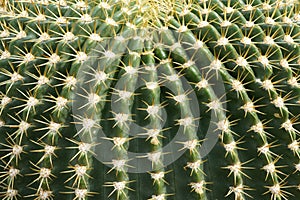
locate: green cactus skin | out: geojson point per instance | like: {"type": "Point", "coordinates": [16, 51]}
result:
{"type": "Point", "coordinates": [49, 151]}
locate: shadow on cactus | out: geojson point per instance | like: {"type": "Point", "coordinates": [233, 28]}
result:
{"type": "Point", "coordinates": [150, 100]}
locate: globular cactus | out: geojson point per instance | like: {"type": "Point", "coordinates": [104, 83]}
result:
{"type": "Point", "coordinates": [150, 99]}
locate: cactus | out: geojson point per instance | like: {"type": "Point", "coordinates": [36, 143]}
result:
{"type": "Point", "coordinates": [155, 100]}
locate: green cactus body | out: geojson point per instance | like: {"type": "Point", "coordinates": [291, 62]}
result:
{"type": "Point", "coordinates": [153, 100]}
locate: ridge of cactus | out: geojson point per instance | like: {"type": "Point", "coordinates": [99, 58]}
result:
{"type": "Point", "coordinates": [149, 99]}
